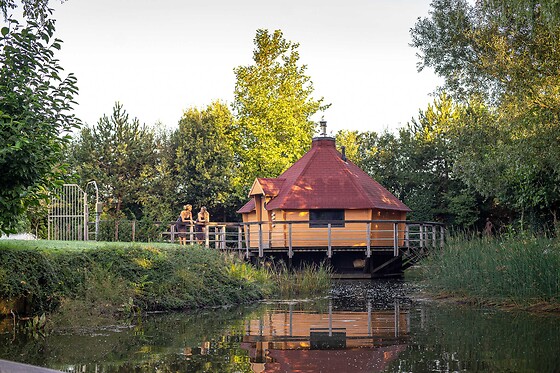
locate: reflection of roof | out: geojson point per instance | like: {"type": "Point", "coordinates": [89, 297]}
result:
{"type": "Point", "coordinates": [331, 361]}
{"type": "Point", "coordinates": [322, 180]}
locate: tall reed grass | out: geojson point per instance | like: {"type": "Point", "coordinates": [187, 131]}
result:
{"type": "Point", "coordinates": [523, 270]}
{"type": "Point", "coordinates": [279, 281]}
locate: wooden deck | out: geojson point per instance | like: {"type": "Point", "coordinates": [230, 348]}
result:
{"type": "Point", "coordinates": [381, 249]}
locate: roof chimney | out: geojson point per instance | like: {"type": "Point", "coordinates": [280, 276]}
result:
{"type": "Point", "coordinates": [343, 148]}
{"type": "Point", "coordinates": [323, 126]}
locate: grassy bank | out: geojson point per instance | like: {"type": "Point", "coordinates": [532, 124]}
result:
{"type": "Point", "coordinates": [520, 271]}
{"type": "Point", "coordinates": [42, 276]}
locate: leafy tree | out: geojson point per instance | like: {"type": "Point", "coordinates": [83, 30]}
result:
{"type": "Point", "coordinates": [273, 105]}
{"type": "Point", "coordinates": [118, 153]}
{"type": "Point", "coordinates": [205, 158]}
{"type": "Point", "coordinates": [35, 116]}
{"type": "Point", "coordinates": [502, 59]}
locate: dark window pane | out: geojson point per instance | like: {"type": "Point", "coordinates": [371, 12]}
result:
{"type": "Point", "coordinates": [321, 218]}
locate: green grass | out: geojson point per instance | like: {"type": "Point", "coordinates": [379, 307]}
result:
{"type": "Point", "coordinates": [99, 278]}
{"type": "Point", "coordinates": [514, 270]}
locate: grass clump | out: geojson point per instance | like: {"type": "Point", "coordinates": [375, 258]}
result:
{"type": "Point", "coordinates": [512, 270]}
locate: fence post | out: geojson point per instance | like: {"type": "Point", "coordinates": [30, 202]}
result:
{"type": "Point", "coordinates": [329, 248]}
{"type": "Point", "coordinates": [133, 230]}
{"type": "Point", "coordinates": [247, 238]}
{"type": "Point", "coordinates": [207, 236]}
{"type": "Point", "coordinates": [421, 236]}
{"type": "Point", "coordinates": [395, 239]}
{"type": "Point", "coordinates": [442, 235]}
{"type": "Point", "coordinates": [172, 233]}
{"type": "Point", "coordinates": [368, 240]}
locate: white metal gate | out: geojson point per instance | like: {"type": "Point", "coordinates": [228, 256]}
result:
{"type": "Point", "coordinates": [68, 214]}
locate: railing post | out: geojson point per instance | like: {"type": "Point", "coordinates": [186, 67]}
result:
{"type": "Point", "coordinates": [329, 249]}
{"type": "Point", "coordinates": [261, 251]}
{"type": "Point", "coordinates": [368, 240]}
{"type": "Point", "coordinates": [421, 236]}
{"type": "Point", "coordinates": [395, 239]}
{"type": "Point", "coordinates": [434, 238]}
{"type": "Point", "coordinates": [239, 238]}
{"type": "Point", "coordinates": [442, 235]}
{"type": "Point", "coordinates": [133, 230]}
{"type": "Point", "coordinates": [172, 233]}
{"type": "Point", "coordinates": [247, 239]}
{"type": "Point", "coordinates": [290, 248]}
{"type": "Point", "coordinates": [406, 236]}
{"type": "Point", "coordinates": [191, 237]}
{"type": "Point", "coordinates": [206, 236]}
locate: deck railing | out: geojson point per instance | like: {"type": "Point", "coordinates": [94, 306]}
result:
{"type": "Point", "coordinates": [290, 236]}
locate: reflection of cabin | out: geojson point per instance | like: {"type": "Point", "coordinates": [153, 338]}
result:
{"type": "Point", "coordinates": [337, 341]}
{"type": "Point", "coordinates": [320, 195]}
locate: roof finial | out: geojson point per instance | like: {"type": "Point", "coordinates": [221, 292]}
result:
{"type": "Point", "coordinates": [323, 126]}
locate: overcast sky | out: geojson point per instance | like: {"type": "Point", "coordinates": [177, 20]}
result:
{"type": "Point", "coordinates": [159, 58]}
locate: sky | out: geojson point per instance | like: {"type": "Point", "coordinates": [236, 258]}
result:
{"type": "Point", "coordinates": [159, 58]}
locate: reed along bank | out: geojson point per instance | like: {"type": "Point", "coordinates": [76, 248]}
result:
{"type": "Point", "coordinates": [521, 271]}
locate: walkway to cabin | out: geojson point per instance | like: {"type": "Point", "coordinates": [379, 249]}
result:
{"type": "Point", "coordinates": [398, 237]}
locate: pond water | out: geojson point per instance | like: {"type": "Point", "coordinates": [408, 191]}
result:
{"type": "Point", "coordinates": [363, 326]}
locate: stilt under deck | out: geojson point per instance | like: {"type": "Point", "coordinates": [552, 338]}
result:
{"type": "Point", "coordinates": [358, 249]}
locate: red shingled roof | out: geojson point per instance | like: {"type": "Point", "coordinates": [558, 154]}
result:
{"type": "Point", "coordinates": [322, 180]}
{"type": "Point", "coordinates": [270, 186]}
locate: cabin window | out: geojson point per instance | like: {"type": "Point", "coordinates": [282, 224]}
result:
{"type": "Point", "coordinates": [321, 218]}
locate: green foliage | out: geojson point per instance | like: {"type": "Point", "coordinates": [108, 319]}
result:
{"type": "Point", "coordinates": [519, 268]}
{"type": "Point", "coordinates": [501, 58]}
{"type": "Point", "coordinates": [273, 107]}
{"type": "Point", "coordinates": [35, 116]}
{"type": "Point", "coordinates": [118, 153]}
{"type": "Point", "coordinates": [205, 160]}
{"type": "Point", "coordinates": [106, 277]}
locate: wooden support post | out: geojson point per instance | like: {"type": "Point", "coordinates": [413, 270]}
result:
{"type": "Point", "coordinates": [223, 229]}
{"type": "Point", "coordinates": [442, 236]}
{"type": "Point", "coordinates": [172, 233]}
{"type": "Point", "coordinates": [206, 236]}
{"type": "Point", "coordinates": [368, 240]}
{"type": "Point", "coordinates": [191, 236]}
{"type": "Point", "coordinates": [329, 248]}
{"type": "Point", "coordinates": [290, 248]}
{"type": "Point", "coordinates": [261, 251]}
{"type": "Point", "coordinates": [395, 239]}
{"type": "Point", "coordinates": [434, 238]}
{"type": "Point", "coordinates": [133, 230]}
{"type": "Point", "coordinates": [421, 236]}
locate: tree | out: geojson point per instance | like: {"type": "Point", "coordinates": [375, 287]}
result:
{"type": "Point", "coordinates": [273, 106]}
{"type": "Point", "coordinates": [118, 153]}
{"type": "Point", "coordinates": [35, 116]}
{"type": "Point", "coordinates": [501, 59]}
{"type": "Point", "coordinates": [205, 158]}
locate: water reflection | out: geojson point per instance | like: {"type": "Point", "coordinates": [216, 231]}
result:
{"type": "Point", "coordinates": [362, 327]}
{"type": "Point", "coordinates": [296, 340]}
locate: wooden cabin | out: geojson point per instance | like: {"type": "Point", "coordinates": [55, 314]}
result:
{"type": "Point", "coordinates": [322, 199]}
